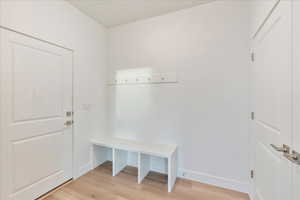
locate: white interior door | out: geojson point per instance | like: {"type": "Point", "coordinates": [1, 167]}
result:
{"type": "Point", "coordinates": [37, 93]}
{"type": "Point", "coordinates": [273, 104]}
{"type": "Point", "coordinates": [296, 100]}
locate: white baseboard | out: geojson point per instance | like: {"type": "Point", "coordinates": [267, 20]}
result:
{"type": "Point", "coordinates": [214, 180]}
{"type": "Point", "coordinates": [251, 196]}
{"type": "Point", "coordinates": [84, 169]}
{"type": "Point", "coordinates": [252, 192]}
{"type": "Point", "coordinates": [194, 176]}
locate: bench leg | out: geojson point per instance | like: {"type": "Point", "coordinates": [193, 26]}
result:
{"type": "Point", "coordinates": [119, 160]}
{"type": "Point", "coordinates": [99, 155]}
{"type": "Point", "coordinates": [172, 171]}
{"type": "Point", "coordinates": [143, 166]}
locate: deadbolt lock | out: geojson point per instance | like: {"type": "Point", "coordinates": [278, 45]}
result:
{"type": "Point", "coordinates": [69, 113]}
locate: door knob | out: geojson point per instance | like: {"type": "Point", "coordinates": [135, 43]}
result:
{"type": "Point", "coordinates": [284, 148]}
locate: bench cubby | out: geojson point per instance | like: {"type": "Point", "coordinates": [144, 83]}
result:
{"type": "Point", "coordinates": [118, 149]}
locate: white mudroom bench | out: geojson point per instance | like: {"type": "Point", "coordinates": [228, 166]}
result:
{"type": "Point", "coordinates": [121, 147]}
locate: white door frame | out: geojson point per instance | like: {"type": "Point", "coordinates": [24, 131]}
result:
{"type": "Point", "coordinates": [3, 138]}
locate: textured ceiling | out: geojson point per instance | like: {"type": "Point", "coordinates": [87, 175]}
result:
{"type": "Point", "coordinates": [115, 12]}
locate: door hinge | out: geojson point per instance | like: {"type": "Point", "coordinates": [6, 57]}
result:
{"type": "Point", "coordinates": [252, 116]}
{"type": "Point", "coordinates": [252, 57]}
{"type": "Point", "coordinates": [252, 173]}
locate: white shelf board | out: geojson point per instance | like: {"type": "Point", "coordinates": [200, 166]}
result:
{"type": "Point", "coordinates": [160, 150]}
{"type": "Point", "coordinates": [154, 78]}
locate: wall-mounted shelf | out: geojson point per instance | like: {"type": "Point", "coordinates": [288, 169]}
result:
{"type": "Point", "coordinates": [154, 78]}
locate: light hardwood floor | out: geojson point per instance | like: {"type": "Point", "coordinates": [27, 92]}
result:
{"type": "Point", "coordinates": [100, 185]}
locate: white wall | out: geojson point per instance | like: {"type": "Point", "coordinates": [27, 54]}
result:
{"type": "Point", "coordinates": [207, 112]}
{"type": "Point", "coordinates": [58, 22]}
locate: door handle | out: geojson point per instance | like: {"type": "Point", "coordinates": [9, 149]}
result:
{"type": "Point", "coordinates": [284, 148]}
{"type": "Point", "coordinates": [294, 157]}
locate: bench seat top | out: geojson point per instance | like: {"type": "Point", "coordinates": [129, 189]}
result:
{"type": "Point", "coordinates": [160, 150]}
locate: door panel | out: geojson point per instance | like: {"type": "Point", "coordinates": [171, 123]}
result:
{"type": "Point", "coordinates": [296, 100]}
{"type": "Point", "coordinates": [265, 177]}
{"type": "Point", "coordinates": [26, 169]}
{"type": "Point", "coordinates": [40, 101]}
{"type": "Point", "coordinates": [273, 104]}
{"type": "Point", "coordinates": [260, 11]}
{"type": "Point", "coordinates": [38, 92]}
{"type": "Point", "coordinates": [273, 70]}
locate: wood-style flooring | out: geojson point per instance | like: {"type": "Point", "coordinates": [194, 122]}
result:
{"type": "Point", "coordinates": [100, 185]}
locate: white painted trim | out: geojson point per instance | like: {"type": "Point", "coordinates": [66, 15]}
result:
{"type": "Point", "coordinates": [230, 184]}
{"type": "Point", "coordinates": [1, 120]}
{"type": "Point", "coordinates": [36, 38]}
{"type": "Point", "coordinates": [251, 196]}
{"type": "Point", "coordinates": [85, 169]}
{"type": "Point", "coordinates": [214, 180]}
{"type": "Point", "coordinates": [1, 117]}
{"type": "Point", "coordinates": [252, 190]}
{"type": "Point", "coordinates": [1, 124]}
{"type": "Point", "coordinates": [266, 18]}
